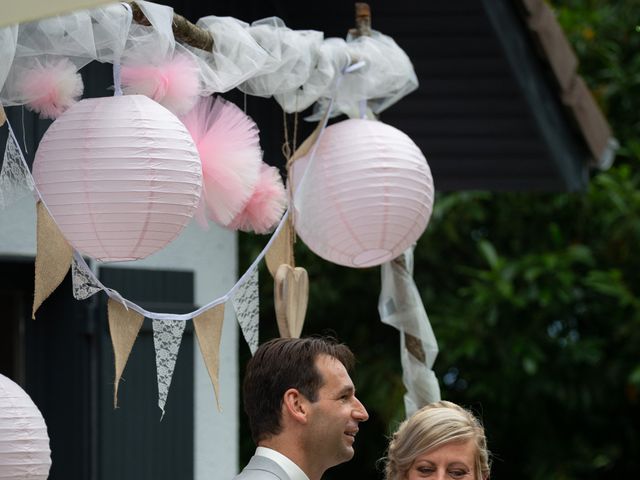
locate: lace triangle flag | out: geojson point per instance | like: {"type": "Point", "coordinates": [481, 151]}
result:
{"type": "Point", "coordinates": [246, 303]}
{"type": "Point", "coordinates": [208, 327]}
{"type": "Point", "coordinates": [124, 326]}
{"type": "Point", "coordinates": [15, 179]}
{"type": "Point", "coordinates": [84, 284]}
{"type": "Point", "coordinates": [53, 258]}
{"type": "Point", "coordinates": [167, 336]}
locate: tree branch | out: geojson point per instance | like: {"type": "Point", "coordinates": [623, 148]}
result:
{"type": "Point", "coordinates": [183, 29]}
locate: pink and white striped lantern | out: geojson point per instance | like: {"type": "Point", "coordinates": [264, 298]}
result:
{"type": "Point", "coordinates": [24, 442]}
{"type": "Point", "coordinates": [367, 195]}
{"type": "Point", "coordinates": [121, 176]}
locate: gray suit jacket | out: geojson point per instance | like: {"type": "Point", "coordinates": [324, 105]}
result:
{"type": "Point", "coordinates": [262, 468]}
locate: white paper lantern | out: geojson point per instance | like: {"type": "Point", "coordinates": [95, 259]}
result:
{"type": "Point", "coordinates": [120, 175]}
{"type": "Point", "coordinates": [368, 194]}
{"type": "Point", "coordinates": [24, 442]}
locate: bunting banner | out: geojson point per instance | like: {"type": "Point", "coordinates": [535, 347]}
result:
{"type": "Point", "coordinates": [401, 307]}
{"type": "Point", "coordinates": [124, 326]}
{"type": "Point", "coordinates": [246, 303]}
{"type": "Point", "coordinates": [167, 337]}
{"type": "Point", "coordinates": [208, 327]}
{"type": "Point", "coordinates": [56, 256]}
{"type": "Point", "coordinates": [53, 258]}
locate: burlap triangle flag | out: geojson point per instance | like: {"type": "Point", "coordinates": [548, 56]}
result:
{"type": "Point", "coordinates": [281, 250]}
{"type": "Point", "coordinates": [124, 326]}
{"type": "Point", "coordinates": [53, 258]}
{"type": "Point", "coordinates": [208, 326]}
{"type": "Point", "coordinates": [305, 146]}
{"type": "Point", "coordinates": [3, 116]}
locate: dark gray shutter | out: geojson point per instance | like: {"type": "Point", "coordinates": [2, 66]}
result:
{"type": "Point", "coordinates": [133, 443]}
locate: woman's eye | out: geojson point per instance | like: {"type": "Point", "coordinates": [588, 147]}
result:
{"type": "Point", "coordinates": [458, 473]}
{"type": "Point", "coordinates": [425, 470]}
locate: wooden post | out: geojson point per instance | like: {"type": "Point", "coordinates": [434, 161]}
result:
{"type": "Point", "coordinates": [363, 21]}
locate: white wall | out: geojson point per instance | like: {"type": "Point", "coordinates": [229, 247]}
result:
{"type": "Point", "coordinates": [211, 255]}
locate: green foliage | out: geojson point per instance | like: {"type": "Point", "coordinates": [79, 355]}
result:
{"type": "Point", "coordinates": [534, 298]}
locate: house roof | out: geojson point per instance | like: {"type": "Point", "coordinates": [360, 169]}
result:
{"type": "Point", "coordinates": [500, 104]}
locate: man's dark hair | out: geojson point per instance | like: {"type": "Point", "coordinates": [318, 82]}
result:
{"type": "Point", "coordinates": [279, 365]}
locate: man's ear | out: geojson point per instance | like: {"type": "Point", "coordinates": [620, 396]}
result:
{"type": "Point", "coordinates": [294, 405]}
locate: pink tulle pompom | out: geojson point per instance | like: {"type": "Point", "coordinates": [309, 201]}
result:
{"type": "Point", "coordinates": [229, 148]}
{"type": "Point", "coordinates": [266, 205]}
{"type": "Point", "coordinates": [174, 84]}
{"type": "Point", "coordinates": [52, 87]}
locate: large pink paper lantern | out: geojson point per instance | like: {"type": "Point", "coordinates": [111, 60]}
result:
{"type": "Point", "coordinates": [367, 194]}
{"type": "Point", "coordinates": [120, 175]}
{"type": "Point", "coordinates": [24, 442]}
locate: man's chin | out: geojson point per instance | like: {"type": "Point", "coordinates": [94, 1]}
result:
{"type": "Point", "coordinates": [348, 453]}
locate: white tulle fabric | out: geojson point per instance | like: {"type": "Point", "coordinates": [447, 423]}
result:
{"type": "Point", "coordinates": [81, 37]}
{"type": "Point", "coordinates": [235, 57]}
{"type": "Point", "coordinates": [386, 77]}
{"type": "Point", "coordinates": [150, 44]}
{"type": "Point", "coordinates": [266, 58]}
{"type": "Point", "coordinates": [8, 40]}
{"type": "Point", "coordinates": [291, 57]}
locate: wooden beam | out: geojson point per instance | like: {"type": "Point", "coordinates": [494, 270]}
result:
{"type": "Point", "coordinates": [14, 12]}
{"type": "Point", "coordinates": [183, 30]}
{"type": "Point", "coordinates": [564, 146]}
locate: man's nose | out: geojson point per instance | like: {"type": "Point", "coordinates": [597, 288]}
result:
{"type": "Point", "coordinates": [359, 412]}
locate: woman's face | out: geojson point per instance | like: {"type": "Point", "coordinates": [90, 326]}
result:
{"type": "Point", "coordinates": [451, 461]}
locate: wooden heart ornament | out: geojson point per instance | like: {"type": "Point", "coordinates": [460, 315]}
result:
{"type": "Point", "coordinates": [291, 292]}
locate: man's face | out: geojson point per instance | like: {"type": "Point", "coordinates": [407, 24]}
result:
{"type": "Point", "coordinates": [335, 415]}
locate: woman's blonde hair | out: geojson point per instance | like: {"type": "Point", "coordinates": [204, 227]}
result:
{"type": "Point", "coordinates": [430, 427]}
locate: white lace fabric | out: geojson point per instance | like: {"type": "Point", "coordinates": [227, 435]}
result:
{"type": "Point", "coordinates": [15, 179]}
{"type": "Point", "coordinates": [167, 337]}
{"type": "Point", "coordinates": [246, 303]}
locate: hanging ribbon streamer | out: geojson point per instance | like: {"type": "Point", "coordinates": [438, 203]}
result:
{"type": "Point", "coordinates": [401, 307]}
